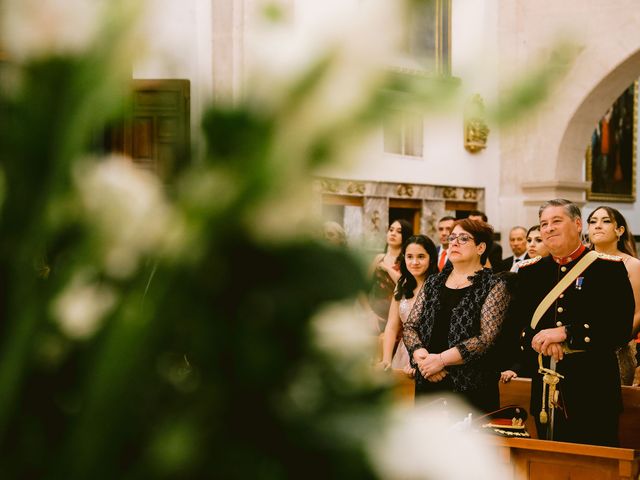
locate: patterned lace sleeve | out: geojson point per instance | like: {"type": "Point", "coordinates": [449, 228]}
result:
{"type": "Point", "coordinates": [493, 313]}
{"type": "Point", "coordinates": [411, 328]}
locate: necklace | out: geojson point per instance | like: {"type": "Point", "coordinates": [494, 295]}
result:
{"type": "Point", "coordinates": [458, 281]}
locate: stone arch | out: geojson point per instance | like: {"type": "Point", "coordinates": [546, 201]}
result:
{"type": "Point", "coordinates": [572, 145]}
{"type": "Point", "coordinates": [554, 142]}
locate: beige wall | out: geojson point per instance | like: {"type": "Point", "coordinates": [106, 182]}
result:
{"type": "Point", "coordinates": [544, 156]}
{"type": "Point", "coordinates": [540, 157]}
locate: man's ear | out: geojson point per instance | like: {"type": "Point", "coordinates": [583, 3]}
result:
{"type": "Point", "coordinates": [578, 222]}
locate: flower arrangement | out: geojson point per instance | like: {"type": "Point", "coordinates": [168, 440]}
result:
{"type": "Point", "coordinates": [196, 330]}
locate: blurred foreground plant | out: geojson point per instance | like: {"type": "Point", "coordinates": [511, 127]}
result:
{"type": "Point", "coordinates": [152, 332]}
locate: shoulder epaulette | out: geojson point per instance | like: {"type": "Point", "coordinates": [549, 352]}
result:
{"type": "Point", "coordinates": [611, 258]}
{"type": "Point", "coordinates": [529, 261]}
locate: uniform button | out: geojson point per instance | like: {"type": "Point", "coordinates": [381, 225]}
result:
{"type": "Point", "coordinates": [563, 269]}
{"type": "Point", "coordinates": [560, 309]}
{"type": "Point", "coordinates": [586, 325]}
{"type": "Point", "coordinates": [522, 348]}
{"type": "Point", "coordinates": [587, 339]}
{"type": "Point", "coordinates": [524, 334]}
{"type": "Point", "coordinates": [562, 295]}
{"type": "Point", "coordinates": [558, 324]}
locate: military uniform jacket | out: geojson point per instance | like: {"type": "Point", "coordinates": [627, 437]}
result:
{"type": "Point", "coordinates": [597, 311]}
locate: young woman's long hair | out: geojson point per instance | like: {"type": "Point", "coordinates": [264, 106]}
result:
{"type": "Point", "coordinates": [626, 242]}
{"type": "Point", "coordinates": [407, 281]}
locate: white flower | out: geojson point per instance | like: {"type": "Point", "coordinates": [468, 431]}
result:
{"type": "Point", "coordinates": [81, 306]}
{"type": "Point", "coordinates": [356, 38]}
{"type": "Point", "coordinates": [128, 207]}
{"type": "Point", "coordinates": [338, 330]}
{"type": "Point", "coordinates": [423, 442]}
{"type": "Point", "coordinates": [36, 28]}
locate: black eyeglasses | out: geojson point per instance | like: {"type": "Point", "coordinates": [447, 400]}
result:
{"type": "Point", "coordinates": [462, 238]}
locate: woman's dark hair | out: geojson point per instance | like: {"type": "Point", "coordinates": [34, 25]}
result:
{"type": "Point", "coordinates": [482, 233]}
{"type": "Point", "coordinates": [625, 243]}
{"type": "Point", "coordinates": [533, 229]}
{"type": "Point", "coordinates": [406, 229]}
{"type": "Point", "coordinates": [407, 281]}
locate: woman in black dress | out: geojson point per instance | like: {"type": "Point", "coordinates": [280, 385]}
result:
{"type": "Point", "coordinates": [456, 319]}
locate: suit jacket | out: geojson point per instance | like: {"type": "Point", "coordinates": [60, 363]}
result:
{"type": "Point", "coordinates": [495, 255]}
{"type": "Point", "coordinates": [507, 263]}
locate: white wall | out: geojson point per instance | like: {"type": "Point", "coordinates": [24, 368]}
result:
{"type": "Point", "coordinates": [445, 161]}
{"type": "Point", "coordinates": [179, 44]}
{"type": "Point", "coordinates": [203, 41]}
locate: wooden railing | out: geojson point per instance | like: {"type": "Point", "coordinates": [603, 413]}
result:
{"type": "Point", "coordinates": [518, 392]}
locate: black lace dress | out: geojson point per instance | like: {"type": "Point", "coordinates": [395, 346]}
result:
{"type": "Point", "coordinates": [468, 319]}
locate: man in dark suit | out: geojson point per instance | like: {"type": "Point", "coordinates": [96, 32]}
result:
{"type": "Point", "coordinates": [518, 244]}
{"type": "Point", "coordinates": [495, 251]}
{"type": "Point", "coordinates": [593, 315]}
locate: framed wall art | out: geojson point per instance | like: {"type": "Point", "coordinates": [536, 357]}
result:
{"type": "Point", "coordinates": [611, 154]}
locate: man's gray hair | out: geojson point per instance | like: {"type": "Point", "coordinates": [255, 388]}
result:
{"type": "Point", "coordinates": [570, 208]}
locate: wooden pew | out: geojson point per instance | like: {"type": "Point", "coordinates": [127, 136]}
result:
{"type": "Point", "coordinates": [535, 459]}
{"type": "Point", "coordinates": [518, 392]}
{"type": "Point", "coordinates": [544, 460]}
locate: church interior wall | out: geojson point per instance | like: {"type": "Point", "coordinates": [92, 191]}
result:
{"type": "Point", "coordinates": [544, 156]}
{"type": "Point", "coordinates": [520, 166]}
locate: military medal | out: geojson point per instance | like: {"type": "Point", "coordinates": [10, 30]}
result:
{"type": "Point", "coordinates": [579, 281]}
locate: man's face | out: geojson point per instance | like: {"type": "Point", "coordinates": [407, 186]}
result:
{"type": "Point", "coordinates": [518, 241]}
{"type": "Point", "coordinates": [559, 232]}
{"type": "Point", "coordinates": [444, 230]}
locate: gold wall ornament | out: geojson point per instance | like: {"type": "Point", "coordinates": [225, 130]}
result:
{"type": "Point", "coordinates": [356, 187]}
{"type": "Point", "coordinates": [404, 190]}
{"type": "Point", "coordinates": [470, 194]}
{"type": "Point", "coordinates": [450, 193]}
{"type": "Point", "coordinates": [476, 130]}
{"type": "Point", "coordinates": [329, 186]}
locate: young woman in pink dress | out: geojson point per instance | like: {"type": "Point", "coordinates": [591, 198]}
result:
{"type": "Point", "coordinates": [418, 259]}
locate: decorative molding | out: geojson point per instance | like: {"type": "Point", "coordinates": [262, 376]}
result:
{"type": "Point", "coordinates": [375, 221]}
{"type": "Point", "coordinates": [470, 194]}
{"type": "Point", "coordinates": [450, 193]}
{"type": "Point", "coordinates": [329, 186]}
{"type": "Point", "coordinates": [356, 187]}
{"type": "Point", "coordinates": [370, 189]}
{"type": "Point", "coordinates": [404, 190]}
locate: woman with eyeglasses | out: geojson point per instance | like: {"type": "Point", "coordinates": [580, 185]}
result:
{"type": "Point", "coordinates": [456, 319]}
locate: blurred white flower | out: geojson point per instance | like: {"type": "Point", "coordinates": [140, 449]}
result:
{"type": "Point", "coordinates": [82, 305]}
{"type": "Point", "coordinates": [129, 209]}
{"type": "Point", "coordinates": [424, 442]}
{"type": "Point", "coordinates": [37, 28]}
{"type": "Point", "coordinates": [287, 213]}
{"type": "Point", "coordinates": [315, 66]}
{"type": "Point", "coordinates": [356, 39]}
{"type": "Point", "coordinates": [339, 330]}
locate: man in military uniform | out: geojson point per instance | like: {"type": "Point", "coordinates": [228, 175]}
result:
{"type": "Point", "coordinates": [593, 314]}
